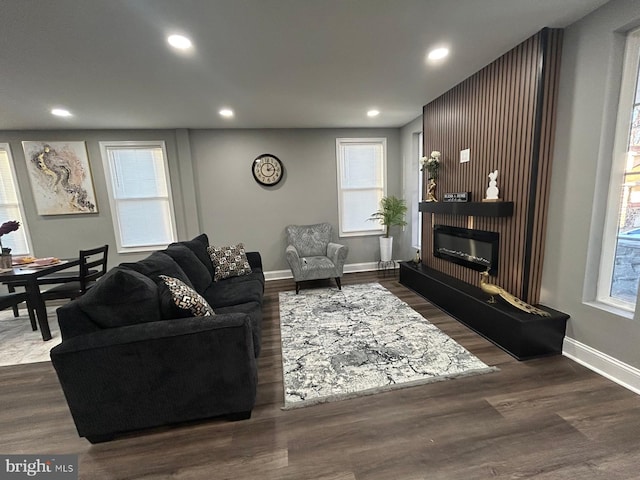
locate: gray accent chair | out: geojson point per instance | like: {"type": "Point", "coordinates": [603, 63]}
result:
{"type": "Point", "coordinates": [312, 255]}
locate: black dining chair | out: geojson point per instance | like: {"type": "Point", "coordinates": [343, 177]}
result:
{"type": "Point", "coordinates": [93, 265]}
{"type": "Point", "coordinates": [70, 283]}
{"type": "Point", "coordinates": [13, 300]}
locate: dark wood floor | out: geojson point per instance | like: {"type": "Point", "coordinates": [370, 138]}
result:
{"type": "Point", "coordinates": [546, 419]}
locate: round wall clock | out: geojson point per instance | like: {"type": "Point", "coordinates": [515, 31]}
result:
{"type": "Point", "coordinates": [267, 169]}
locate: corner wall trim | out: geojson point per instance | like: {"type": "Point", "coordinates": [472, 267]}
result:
{"type": "Point", "coordinates": [603, 364]}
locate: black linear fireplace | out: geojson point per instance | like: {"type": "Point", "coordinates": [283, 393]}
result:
{"type": "Point", "coordinates": [476, 249]}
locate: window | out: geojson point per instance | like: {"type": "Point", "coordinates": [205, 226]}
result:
{"type": "Point", "coordinates": [620, 262]}
{"type": "Point", "coordinates": [139, 194]}
{"type": "Point", "coordinates": [361, 183]}
{"type": "Point", "coordinates": [11, 205]}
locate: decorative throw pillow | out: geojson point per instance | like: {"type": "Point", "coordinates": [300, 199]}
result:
{"type": "Point", "coordinates": [186, 298]}
{"type": "Point", "coordinates": [229, 261]}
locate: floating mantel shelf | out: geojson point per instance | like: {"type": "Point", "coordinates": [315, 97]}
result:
{"type": "Point", "coordinates": [470, 209]}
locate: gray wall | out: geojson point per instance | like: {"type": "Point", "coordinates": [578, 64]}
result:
{"type": "Point", "coordinates": [214, 191]}
{"type": "Point", "coordinates": [234, 208]}
{"type": "Point", "coordinates": [63, 235]}
{"type": "Point", "coordinates": [588, 99]}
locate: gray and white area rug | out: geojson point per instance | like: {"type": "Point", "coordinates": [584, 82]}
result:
{"type": "Point", "coordinates": [19, 344]}
{"type": "Point", "coordinates": [361, 340]}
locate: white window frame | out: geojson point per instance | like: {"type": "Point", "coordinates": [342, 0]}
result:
{"type": "Point", "coordinates": [376, 228]}
{"type": "Point", "coordinates": [23, 220]}
{"type": "Point", "coordinates": [618, 166]}
{"type": "Point", "coordinates": [113, 202]}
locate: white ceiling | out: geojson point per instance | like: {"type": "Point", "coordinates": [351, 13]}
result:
{"type": "Point", "coordinates": [277, 63]}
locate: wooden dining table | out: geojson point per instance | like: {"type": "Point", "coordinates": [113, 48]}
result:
{"type": "Point", "coordinates": [27, 275]}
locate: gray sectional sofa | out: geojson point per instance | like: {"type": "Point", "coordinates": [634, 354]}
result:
{"type": "Point", "coordinates": [132, 357]}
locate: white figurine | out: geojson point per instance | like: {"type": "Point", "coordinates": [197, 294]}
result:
{"type": "Point", "coordinates": [492, 191]}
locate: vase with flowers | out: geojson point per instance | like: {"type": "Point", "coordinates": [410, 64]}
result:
{"type": "Point", "coordinates": [431, 164]}
{"type": "Point", "coordinates": [5, 252]}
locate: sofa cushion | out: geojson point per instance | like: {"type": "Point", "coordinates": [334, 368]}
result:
{"type": "Point", "coordinates": [254, 275]}
{"type": "Point", "coordinates": [199, 247]}
{"type": "Point", "coordinates": [229, 261]}
{"type": "Point", "coordinates": [193, 267]}
{"type": "Point", "coordinates": [156, 264]}
{"type": "Point", "coordinates": [186, 298]}
{"type": "Point", "coordinates": [121, 297]}
{"type": "Point", "coordinates": [73, 321]}
{"type": "Point", "coordinates": [234, 291]}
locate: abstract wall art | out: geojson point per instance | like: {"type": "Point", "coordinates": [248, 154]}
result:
{"type": "Point", "coordinates": [60, 177]}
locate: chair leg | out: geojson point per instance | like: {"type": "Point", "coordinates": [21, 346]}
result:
{"type": "Point", "coordinates": [32, 318]}
{"type": "Point", "coordinates": [297, 287]}
{"type": "Point", "coordinates": [12, 289]}
{"type": "Point", "coordinates": [339, 283]}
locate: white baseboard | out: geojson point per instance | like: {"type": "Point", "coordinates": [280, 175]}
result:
{"type": "Point", "coordinates": [603, 364]}
{"type": "Point", "coordinates": [349, 268]}
{"type": "Point", "coordinates": [277, 275]}
{"type": "Point", "coordinates": [361, 267]}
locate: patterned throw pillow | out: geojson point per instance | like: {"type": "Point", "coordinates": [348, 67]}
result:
{"type": "Point", "coordinates": [186, 298]}
{"type": "Point", "coordinates": [229, 261]}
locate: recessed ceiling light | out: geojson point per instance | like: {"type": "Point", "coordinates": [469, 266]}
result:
{"type": "Point", "coordinates": [373, 113]}
{"type": "Point", "coordinates": [226, 112]}
{"type": "Point", "coordinates": [179, 41]}
{"type": "Point", "coordinates": [438, 53]}
{"type": "Point", "coordinates": [61, 112]}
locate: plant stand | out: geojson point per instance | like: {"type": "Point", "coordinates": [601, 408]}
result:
{"type": "Point", "coordinates": [387, 266]}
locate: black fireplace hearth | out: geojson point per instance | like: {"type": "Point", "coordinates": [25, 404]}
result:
{"type": "Point", "coordinates": [518, 333]}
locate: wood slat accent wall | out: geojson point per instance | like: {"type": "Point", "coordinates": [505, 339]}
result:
{"type": "Point", "coordinates": [505, 115]}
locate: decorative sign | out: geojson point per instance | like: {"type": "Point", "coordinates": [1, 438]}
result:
{"type": "Point", "coordinates": [457, 197]}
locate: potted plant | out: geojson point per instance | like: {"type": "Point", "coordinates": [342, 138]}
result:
{"type": "Point", "coordinates": [391, 214]}
{"type": "Point", "coordinates": [5, 252]}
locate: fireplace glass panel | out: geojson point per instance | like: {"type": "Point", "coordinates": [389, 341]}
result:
{"type": "Point", "coordinates": [475, 249]}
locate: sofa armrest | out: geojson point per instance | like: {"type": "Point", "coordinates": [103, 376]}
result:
{"type": "Point", "coordinates": [157, 373]}
{"type": "Point", "coordinates": [254, 259]}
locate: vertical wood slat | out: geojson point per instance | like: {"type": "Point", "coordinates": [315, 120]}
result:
{"type": "Point", "coordinates": [493, 113]}
{"type": "Point", "coordinates": [551, 80]}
